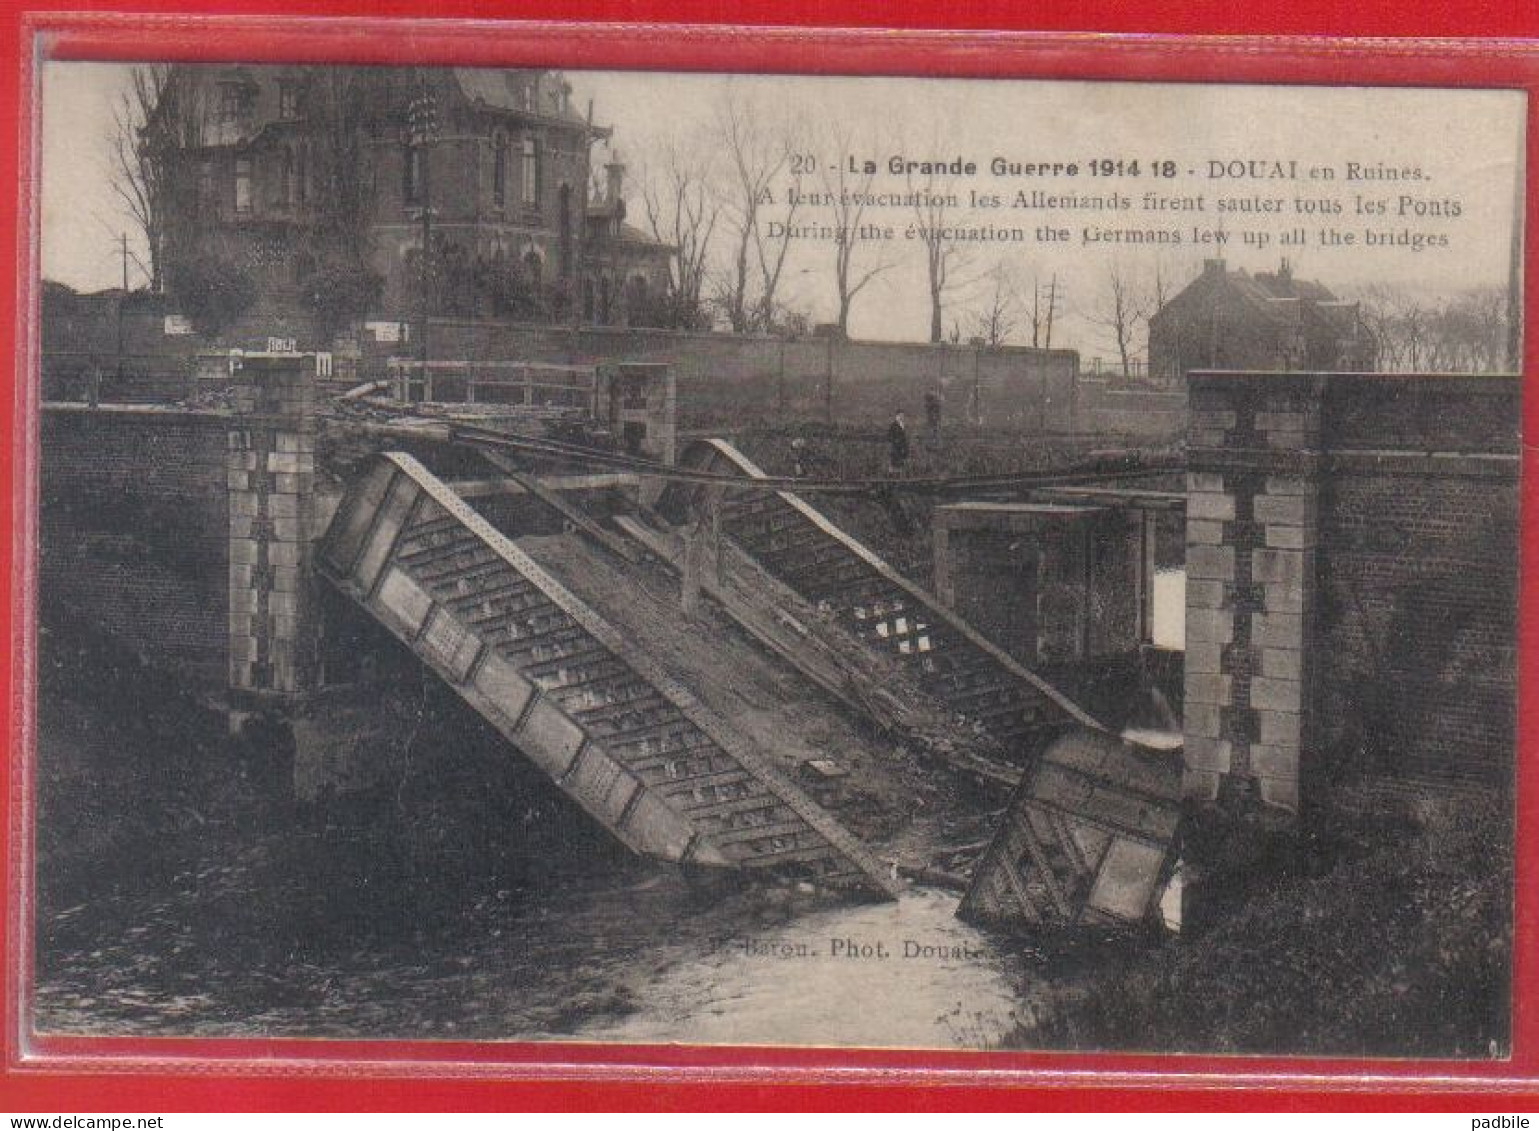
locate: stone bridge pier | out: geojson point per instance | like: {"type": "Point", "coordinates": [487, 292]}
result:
{"type": "Point", "coordinates": [1351, 599]}
{"type": "Point", "coordinates": [183, 533]}
{"type": "Point", "coordinates": [274, 617]}
{"type": "Point", "coordinates": [1251, 534]}
{"type": "Point", "coordinates": [272, 524]}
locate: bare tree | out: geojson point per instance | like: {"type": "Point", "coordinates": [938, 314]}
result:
{"type": "Point", "coordinates": [159, 113]}
{"type": "Point", "coordinates": [934, 215]}
{"type": "Point", "coordinates": [1468, 332]}
{"type": "Point", "coordinates": [1395, 322]}
{"type": "Point", "coordinates": [337, 163]}
{"type": "Point", "coordinates": [1162, 284]}
{"type": "Point", "coordinates": [757, 147]}
{"type": "Point", "coordinates": [682, 213]}
{"type": "Point", "coordinates": [1046, 302]}
{"type": "Point", "coordinates": [996, 319]}
{"type": "Point", "coordinates": [1119, 308]}
{"type": "Point", "coordinates": [847, 194]}
{"type": "Point", "coordinates": [771, 249]}
{"type": "Point", "coordinates": [1473, 332]}
{"type": "Point", "coordinates": [340, 282]}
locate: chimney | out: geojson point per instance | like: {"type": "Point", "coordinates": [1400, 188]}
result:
{"type": "Point", "coordinates": [1214, 267]}
{"type": "Point", "coordinates": [616, 184]}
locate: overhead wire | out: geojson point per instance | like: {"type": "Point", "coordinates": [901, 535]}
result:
{"type": "Point", "coordinates": [1109, 468]}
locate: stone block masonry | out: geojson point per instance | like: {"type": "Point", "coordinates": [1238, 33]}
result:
{"type": "Point", "coordinates": [1352, 592]}
{"type": "Point", "coordinates": [271, 478]}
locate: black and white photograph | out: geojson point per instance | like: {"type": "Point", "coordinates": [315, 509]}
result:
{"type": "Point", "coordinates": [648, 558]}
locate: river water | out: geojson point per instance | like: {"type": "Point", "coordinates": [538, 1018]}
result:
{"type": "Point", "coordinates": [904, 974]}
{"type": "Point", "coordinates": [1169, 627]}
{"type": "Point", "coordinates": [632, 958]}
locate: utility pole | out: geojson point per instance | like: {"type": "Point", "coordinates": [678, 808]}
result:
{"type": "Point", "coordinates": [422, 123]}
{"type": "Point", "coordinates": [427, 276]}
{"type": "Point", "coordinates": [977, 390]}
{"type": "Point", "coordinates": [828, 380]}
{"type": "Point", "coordinates": [1052, 307]}
{"type": "Point", "coordinates": [122, 301]}
{"type": "Point", "coordinates": [1036, 312]}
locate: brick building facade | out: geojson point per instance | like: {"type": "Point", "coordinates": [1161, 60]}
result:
{"type": "Point", "coordinates": [1227, 319]}
{"type": "Point", "coordinates": [267, 161]}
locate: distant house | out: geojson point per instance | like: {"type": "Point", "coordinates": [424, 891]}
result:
{"type": "Point", "coordinates": [265, 161]}
{"type": "Point", "coordinates": [1233, 320]}
{"type": "Point", "coordinates": [627, 271]}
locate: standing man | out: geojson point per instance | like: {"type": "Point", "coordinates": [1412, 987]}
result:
{"type": "Point", "coordinates": [897, 460]}
{"type": "Point", "coordinates": [897, 444]}
{"type": "Point", "coordinates": [932, 420]}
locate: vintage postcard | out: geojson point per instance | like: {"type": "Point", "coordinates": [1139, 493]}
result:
{"type": "Point", "coordinates": [739, 559]}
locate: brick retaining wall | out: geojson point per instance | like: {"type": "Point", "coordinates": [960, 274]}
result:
{"type": "Point", "coordinates": [134, 518]}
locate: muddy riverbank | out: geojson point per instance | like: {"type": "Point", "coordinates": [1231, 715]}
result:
{"type": "Point", "coordinates": [179, 895]}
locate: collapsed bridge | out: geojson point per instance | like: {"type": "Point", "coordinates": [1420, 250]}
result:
{"type": "Point", "coordinates": [1338, 527]}
{"type": "Point", "coordinates": [632, 747]}
{"type": "Point", "coordinates": [518, 592]}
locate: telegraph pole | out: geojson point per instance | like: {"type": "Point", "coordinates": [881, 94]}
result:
{"type": "Point", "coordinates": [1036, 312]}
{"type": "Point", "coordinates": [1052, 308]}
{"type": "Point", "coordinates": [122, 301]}
{"type": "Point", "coordinates": [422, 122]}
{"type": "Point", "coordinates": [828, 379]}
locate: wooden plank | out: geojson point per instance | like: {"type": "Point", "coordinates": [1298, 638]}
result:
{"type": "Point", "coordinates": [1064, 816]}
{"type": "Point", "coordinates": [580, 521]}
{"type": "Point", "coordinates": [797, 856]}
{"type": "Point", "coordinates": [828, 655]}
{"type": "Point", "coordinates": [1012, 853]}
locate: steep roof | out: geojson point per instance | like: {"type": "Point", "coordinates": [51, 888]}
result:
{"type": "Point", "coordinates": [1279, 297]}
{"type": "Point", "coordinates": [537, 96]}
{"type": "Point", "coordinates": [1283, 284]}
{"type": "Point", "coordinates": [630, 234]}
{"type": "Point", "coordinates": [544, 95]}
